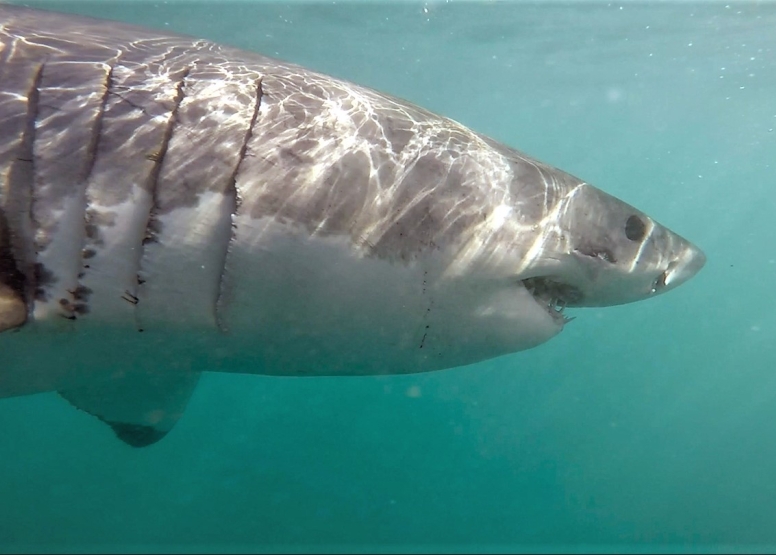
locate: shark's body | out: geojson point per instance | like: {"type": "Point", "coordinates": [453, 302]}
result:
{"type": "Point", "coordinates": [170, 206]}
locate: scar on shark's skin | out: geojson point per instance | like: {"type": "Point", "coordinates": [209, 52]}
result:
{"type": "Point", "coordinates": [130, 298]}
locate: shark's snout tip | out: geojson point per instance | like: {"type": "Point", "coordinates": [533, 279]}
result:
{"type": "Point", "coordinates": [698, 260]}
{"type": "Point", "coordinates": [686, 266]}
{"type": "Point", "coordinates": [692, 261]}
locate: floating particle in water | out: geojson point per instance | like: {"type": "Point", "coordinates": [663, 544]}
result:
{"type": "Point", "coordinates": [614, 94]}
{"type": "Point", "coordinates": [414, 391]}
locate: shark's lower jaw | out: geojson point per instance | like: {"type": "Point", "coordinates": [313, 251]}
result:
{"type": "Point", "coordinates": [553, 295]}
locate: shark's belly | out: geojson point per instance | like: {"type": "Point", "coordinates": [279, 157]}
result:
{"type": "Point", "coordinates": [297, 306]}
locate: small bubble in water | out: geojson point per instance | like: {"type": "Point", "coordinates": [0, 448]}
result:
{"type": "Point", "coordinates": [414, 392]}
{"type": "Point", "coordinates": [614, 94]}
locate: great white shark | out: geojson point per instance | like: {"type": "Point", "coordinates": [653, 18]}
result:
{"type": "Point", "coordinates": [170, 206]}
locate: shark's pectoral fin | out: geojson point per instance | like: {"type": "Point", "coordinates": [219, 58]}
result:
{"type": "Point", "coordinates": [140, 408]}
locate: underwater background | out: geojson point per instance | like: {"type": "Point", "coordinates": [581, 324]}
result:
{"type": "Point", "coordinates": [644, 427]}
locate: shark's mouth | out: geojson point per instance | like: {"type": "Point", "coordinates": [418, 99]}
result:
{"type": "Point", "coordinates": [554, 296]}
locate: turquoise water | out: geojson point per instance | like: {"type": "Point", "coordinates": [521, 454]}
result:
{"type": "Point", "coordinates": [642, 427]}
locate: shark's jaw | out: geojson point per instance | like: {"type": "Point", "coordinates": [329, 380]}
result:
{"type": "Point", "coordinates": [553, 296]}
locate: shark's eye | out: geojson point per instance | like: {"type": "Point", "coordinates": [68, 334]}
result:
{"type": "Point", "coordinates": [635, 228]}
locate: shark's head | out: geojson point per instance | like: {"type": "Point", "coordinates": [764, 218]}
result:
{"type": "Point", "coordinates": [597, 250]}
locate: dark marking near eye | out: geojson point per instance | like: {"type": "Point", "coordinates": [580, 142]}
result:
{"type": "Point", "coordinates": [635, 228]}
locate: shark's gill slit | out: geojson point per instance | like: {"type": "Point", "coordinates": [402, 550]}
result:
{"type": "Point", "coordinates": [80, 295]}
{"type": "Point", "coordinates": [158, 158]}
{"type": "Point", "coordinates": [17, 236]}
{"type": "Point", "coordinates": [222, 295]}
{"type": "Point", "coordinates": [22, 193]}
{"type": "Point", "coordinates": [97, 130]}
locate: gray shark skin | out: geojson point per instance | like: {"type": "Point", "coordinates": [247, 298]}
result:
{"type": "Point", "coordinates": [170, 206]}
